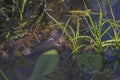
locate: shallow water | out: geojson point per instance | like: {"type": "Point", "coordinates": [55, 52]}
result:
{"type": "Point", "coordinates": [18, 72]}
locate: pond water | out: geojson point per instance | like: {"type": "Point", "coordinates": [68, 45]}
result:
{"type": "Point", "coordinates": [25, 71]}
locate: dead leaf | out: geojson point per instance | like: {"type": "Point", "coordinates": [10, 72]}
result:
{"type": "Point", "coordinates": [4, 54]}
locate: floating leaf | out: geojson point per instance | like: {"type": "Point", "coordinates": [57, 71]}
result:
{"type": "Point", "coordinates": [45, 65]}
{"type": "Point", "coordinates": [90, 62]}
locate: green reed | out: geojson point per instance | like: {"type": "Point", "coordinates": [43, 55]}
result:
{"type": "Point", "coordinates": [21, 7]}
{"type": "Point", "coordinates": [97, 31]}
{"type": "Point", "coordinates": [115, 24]}
{"type": "Point", "coordinates": [3, 75]}
{"type": "Point", "coordinates": [95, 28]}
{"type": "Point", "coordinates": [70, 32]}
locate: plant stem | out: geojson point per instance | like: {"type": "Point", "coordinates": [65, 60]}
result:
{"type": "Point", "coordinates": [3, 75]}
{"type": "Point", "coordinates": [114, 27]}
{"type": "Point", "coordinates": [21, 16]}
{"type": "Point", "coordinates": [112, 16]}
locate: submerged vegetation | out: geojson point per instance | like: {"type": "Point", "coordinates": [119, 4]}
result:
{"type": "Point", "coordinates": [75, 33]}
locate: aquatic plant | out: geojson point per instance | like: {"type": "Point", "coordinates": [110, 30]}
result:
{"type": "Point", "coordinates": [45, 65]}
{"type": "Point", "coordinates": [75, 45]}
{"type": "Point", "coordinates": [21, 7]}
{"type": "Point", "coordinates": [97, 31]}
{"type": "Point", "coordinates": [78, 41]}
{"type": "Point", "coordinates": [90, 63]}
